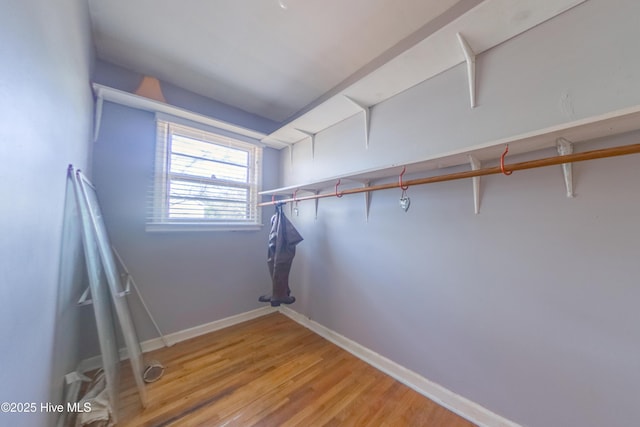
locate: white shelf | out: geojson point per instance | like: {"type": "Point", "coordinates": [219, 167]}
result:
{"type": "Point", "coordinates": [105, 93]}
{"type": "Point", "coordinates": [489, 24]}
{"type": "Point", "coordinates": [613, 123]}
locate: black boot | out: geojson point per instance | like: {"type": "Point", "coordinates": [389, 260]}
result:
{"type": "Point", "coordinates": [267, 298]}
{"type": "Point", "coordinates": [285, 300]}
{"type": "Point", "coordinates": [264, 298]}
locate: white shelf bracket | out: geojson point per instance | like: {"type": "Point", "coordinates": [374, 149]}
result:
{"type": "Point", "coordinates": [289, 146]}
{"type": "Point", "coordinates": [313, 140]}
{"type": "Point", "coordinates": [98, 117]}
{"type": "Point", "coordinates": [367, 200]}
{"type": "Point", "coordinates": [317, 201]}
{"type": "Point", "coordinates": [566, 147]}
{"type": "Point", "coordinates": [475, 165]}
{"type": "Point", "coordinates": [367, 118]}
{"type": "Point", "coordinates": [470, 58]}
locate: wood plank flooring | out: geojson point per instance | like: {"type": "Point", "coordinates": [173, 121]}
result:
{"type": "Point", "coordinates": [272, 371]}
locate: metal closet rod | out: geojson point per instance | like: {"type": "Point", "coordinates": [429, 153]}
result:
{"type": "Point", "coordinates": [531, 164]}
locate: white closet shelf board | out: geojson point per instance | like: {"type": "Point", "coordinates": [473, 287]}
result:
{"type": "Point", "coordinates": [105, 93]}
{"type": "Point", "coordinates": [487, 25]}
{"type": "Point", "coordinates": [613, 123]}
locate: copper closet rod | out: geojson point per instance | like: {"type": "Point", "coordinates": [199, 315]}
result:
{"type": "Point", "coordinates": [531, 164]}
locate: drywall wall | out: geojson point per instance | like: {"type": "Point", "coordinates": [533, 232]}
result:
{"type": "Point", "coordinates": [187, 278]}
{"type": "Point", "coordinates": [529, 308]}
{"type": "Point", "coordinates": [45, 105]}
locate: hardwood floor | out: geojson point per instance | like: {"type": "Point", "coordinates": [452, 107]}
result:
{"type": "Point", "coordinates": [272, 371]}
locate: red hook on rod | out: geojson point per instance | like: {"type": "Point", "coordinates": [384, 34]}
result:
{"type": "Point", "coordinates": [506, 150]}
{"type": "Point", "coordinates": [273, 199]}
{"type": "Point", "coordinates": [338, 195]}
{"type": "Point", "coordinates": [400, 183]}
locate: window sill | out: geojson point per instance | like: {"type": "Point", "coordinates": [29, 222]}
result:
{"type": "Point", "coordinates": [189, 227]}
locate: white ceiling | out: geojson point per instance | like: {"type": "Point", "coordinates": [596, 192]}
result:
{"type": "Point", "coordinates": [255, 54]}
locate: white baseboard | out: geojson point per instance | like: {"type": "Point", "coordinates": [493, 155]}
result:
{"type": "Point", "coordinates": [442, 396]}
{"type": "Point", "coordinates": [95, 362]}
{"type": "Point", "coordinates": [196, 331]}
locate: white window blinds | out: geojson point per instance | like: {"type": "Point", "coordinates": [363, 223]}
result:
{"type": "Point", "coordinates": [203, 180]}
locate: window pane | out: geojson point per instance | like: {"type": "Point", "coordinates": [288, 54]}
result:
{"type": "Point", "coordinates": [203, 178]}
{"type": "Point", "coordinates": [196, 148]}
{"type": "Point", "coordinates": [180, 208]}
{"type": "Point", "coordinates": [203, 190]}
{"type": "Point", "coordinates": [207, 168]}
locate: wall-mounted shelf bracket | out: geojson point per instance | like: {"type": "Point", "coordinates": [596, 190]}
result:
{"type": "Point", "coordinates": [313, 140]}
{"type": "Point", "coordinates": [367, 118]}
{"type": "Point", "coordinates": [367, 199]}
{"type": "Point", "coordinates": [470, 58]}
{"type": "Point", "coordinates": [289, 147]}
{"type": "Point", "coordinates": [98, 117]}
{"type": "Point", "coordinates": [291, 153]}
{"type": "Point", "coordinates": [317, 201]}
{"type": "Point", "coordinates": [475, 165]}
{"type": "Point", "coordinates": [566, 147]}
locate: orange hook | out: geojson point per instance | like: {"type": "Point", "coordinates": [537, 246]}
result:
{"type": "Point", "coordinates": [400, 183]}
{"type": "Point", "coordinates": [338, 195]}
{"type": "Point", "coordinates": [506, 150]}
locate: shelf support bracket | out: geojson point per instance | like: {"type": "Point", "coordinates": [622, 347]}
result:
{"type": "Point", "coordinates": [289, 146]}
{"type": "Point", "coordinates": [566, 147]}
{"type": "Point", "coordinates": [367, 199]}
{"type": "Point", "coordinates": [313, 140]}
{"type": "Point", "coordinates": [98, 117]}
{"type": "Point", "coordinates": [317, 201]}
{"type": "Point", "coordinates": [470, 58]}
{"type": "Point", "coordinates": [367, 118]}
{"type": "Point", "coordinates": [475, 165]}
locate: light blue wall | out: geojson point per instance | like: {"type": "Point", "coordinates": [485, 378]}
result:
{"type": "Point", "coordinates": [189, 278]}
{"type": "Point", "coordinates": [45, 105]}
{"type": "Point", "coordinates": [530, 308]}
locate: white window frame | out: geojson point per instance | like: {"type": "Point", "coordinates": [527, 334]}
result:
{"type": "Point", "coordinates": [158, 218]}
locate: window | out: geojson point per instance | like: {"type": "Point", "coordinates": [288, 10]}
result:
{"type": "Point", "coordinates": [203, 181]}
